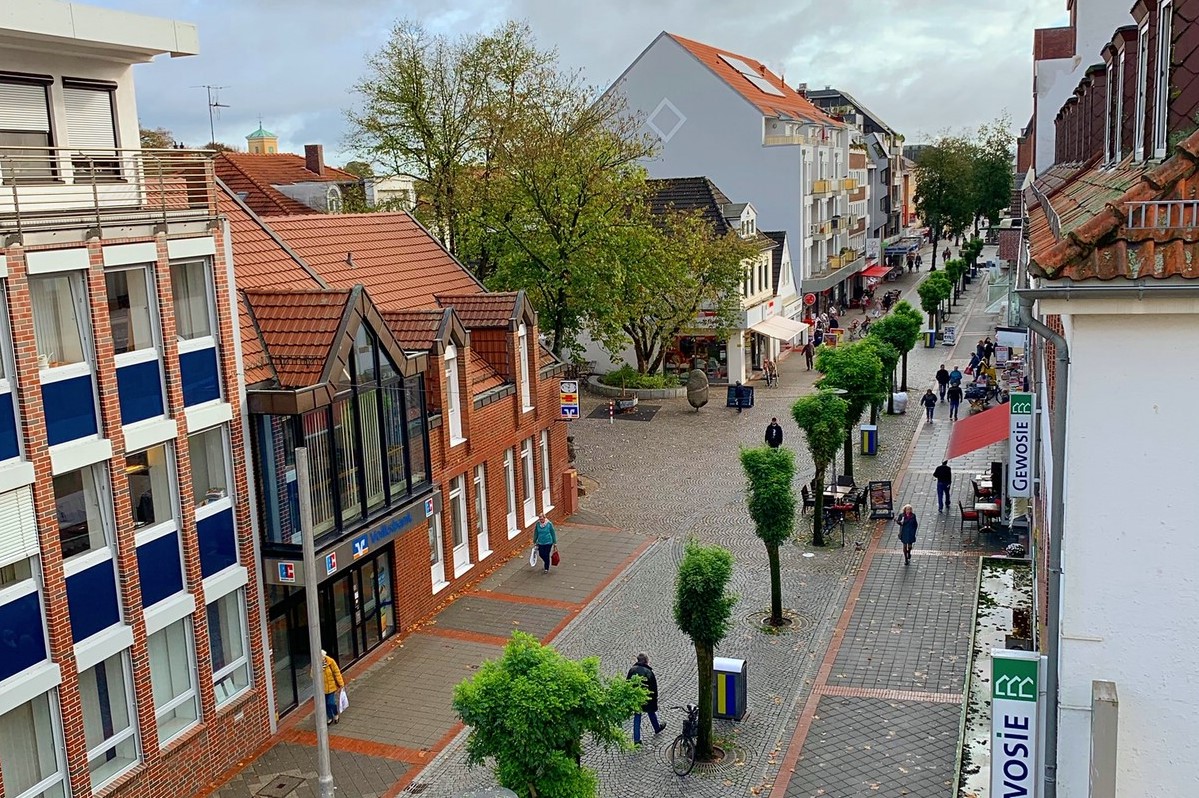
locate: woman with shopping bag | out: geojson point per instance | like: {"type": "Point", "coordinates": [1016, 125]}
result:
{"type": "Point", "coordinates": [546, 539]}
{"type": "Point", "coordinates": [334, 689]}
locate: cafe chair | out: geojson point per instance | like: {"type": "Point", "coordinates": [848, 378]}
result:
{"type": "Point", "coordinates": [808, 501]}
{"type": "Point", "coordinates": [968, 515]}
{"type": "Point", "coordinates": [845, 481]}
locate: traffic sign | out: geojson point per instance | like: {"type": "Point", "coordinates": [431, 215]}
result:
{"type": "Point", "coordinates": [809, 299]}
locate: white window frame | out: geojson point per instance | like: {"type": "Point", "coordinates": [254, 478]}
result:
{"type": "Point", "coordinates": [1138, 121]}
{"type": "Point", "coordinates": [154, 350]}
{"type": "Point", "coordinates": [77, 282]}
{"type": "Point", "coordinates": [482, 528]}
{"type": "Point", "coordinates": [123, 735]}
{"type": "Point", "coordinates": [1107, 113]}
{"type": "Point", "coordinates": [333, 200]}
{"type": "Point", "coordinates": [453, 397]}
{"type": "Point", "coordinates": [8, 382]}
{"type": "Point", "coordinates": [546, 493]}
{"type": "Point", "coordinates": [104, 495]}
{"type": "Point", "coordinates": [203, 341]}
{"type": "Point", "coordinates": [526, 390]}
{"type": "Point", "coordinates": [159, 528]}
{"type": "Point", "coordinates": [527, 473]}
{"type": "Point", "coordinates": [57, 743]}
{"type": "Point", "coordinates": [192, 694]}
{"type": "Point", "coordinates": [510, 492]}
{"type": "Point", "coordinates": [226, 502]}
{"type": "Point", "coordinates": [459, 529]}
{"type": "Point", "coordinates": [437, 554]}
{"type": "Point", "coordinates": [242, 661]}
{"type": "Point", "coordinates": [1161, 105]}
{"type": "Point", "coordinates": [1119, 127]}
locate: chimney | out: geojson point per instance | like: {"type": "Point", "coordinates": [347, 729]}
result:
{"type": "Point", "coordinates": [314, 159]}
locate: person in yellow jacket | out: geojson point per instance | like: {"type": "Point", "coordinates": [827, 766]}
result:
{"type": "Point", "coordinates": [333, 685]}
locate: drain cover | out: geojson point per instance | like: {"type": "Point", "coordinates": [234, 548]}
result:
{"type": "Point", "coordinates": [280, 787]}
{"type": "Point", "coordinates": [417, 788]}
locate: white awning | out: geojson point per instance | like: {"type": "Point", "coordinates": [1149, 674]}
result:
{"type": "Point", "coordinates": [782, 329]}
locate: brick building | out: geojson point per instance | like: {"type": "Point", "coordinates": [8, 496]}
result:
{"type": "Point", "coordinates": [130, 658]}
{"type": "Point", "coordinates": [429, 409]}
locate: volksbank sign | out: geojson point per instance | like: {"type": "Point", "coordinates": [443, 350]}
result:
{"type": "Point", "coordinates": [1021, 428]}
{"type": "Point", "coordinates": [1015, 747]}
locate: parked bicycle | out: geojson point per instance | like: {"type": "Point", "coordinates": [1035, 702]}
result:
{"type": "Point", "coordinates": [682, 750]}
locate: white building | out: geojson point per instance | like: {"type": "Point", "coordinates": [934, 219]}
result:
{"type": "Point", "coordinates": [730, 118]}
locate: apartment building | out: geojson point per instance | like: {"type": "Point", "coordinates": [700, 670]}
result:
{"type": "Point", "coordinates": [130, 662]}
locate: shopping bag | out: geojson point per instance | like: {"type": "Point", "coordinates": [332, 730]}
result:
{"type": "Point", "coordinates": [343, 701]}
{"type": "Point", "coordinates": [554, 558]}
{"type": "Point", "coordinates": [533, 557]}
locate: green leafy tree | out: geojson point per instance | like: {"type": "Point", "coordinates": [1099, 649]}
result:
{"type": "Point", "coordinates": [158, 138]}
{"type": "Point", "coordinates": [944, 188]}
{"type": "Point", "coordinates": [992, 170]}
{"type": "Point", "coordinates": [955, 270]}
{"type": "Point", "coordinates": [915, 327]}
{"type": "Point", "coordinates": [529, 711]}
{"type": "Point", "coordinates": [702, 609]}
{"type": "Point", "coordinates": [901, 331]}
{"type": "Point", "coordinates": [771, 501]}
{"type": "Point", "coordinates": [855, 369]}
{"type": "Point", "coordinates": [932, 293]}
{"type": "Point", "coordinates": [821, 416]}
{"type": "Point", "coordinates": [888, 355]}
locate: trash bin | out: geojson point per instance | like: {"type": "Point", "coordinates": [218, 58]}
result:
{"type": "Point", "coordinates": [728, 688]}
{"type": "Point", "coordinates": [930, 339]}
{"type": "Point", "coordinates": [869, 438]}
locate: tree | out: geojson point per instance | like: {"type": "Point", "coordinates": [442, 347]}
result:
{"type": "Point", "coordinates": [944, 188]}
{"type": "Point", "coordinates": [530, 709]}
{"type": "Point", "coordinates": [955, 270]}
{"type": "Point", "coordinates": [771, 501]}
{"type": "Point", "coordinates": [855, 369]}
{"type": "Point", "coordinates": [933, 291]}
{"type": "Point", "coordinates": [821, 416]}
{"type": "Point", "coordinates": [888, 355]}
{"type": "Point", "coordinates": [220, 147]}
{"type": "Point", "coordinates": [915, 327]}
{"type": "Point", "coordinates": [702, 607]}
{"type": "Point", "coordinates": [992, 170]}
{"type": "Point", "coordinates": [671, 268]}
{"type": "Point", "coordinates": [158, 138]}
{"type": "Point", "coordinates": [901, 330]}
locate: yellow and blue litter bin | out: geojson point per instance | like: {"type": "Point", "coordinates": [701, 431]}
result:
{"type": "Point", "coordinates": [729, 689]}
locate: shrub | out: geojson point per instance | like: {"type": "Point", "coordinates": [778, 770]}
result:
{"type": "Point", "coordinates": [628, 377]}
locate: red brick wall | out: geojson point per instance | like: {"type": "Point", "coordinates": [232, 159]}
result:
{"type": "Point", "coordinates": [1049, 43]}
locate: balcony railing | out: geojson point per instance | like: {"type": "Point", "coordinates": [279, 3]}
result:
{"type": "Point", "coordinates": [822, 186]}
{"type": "Point", "coordinates": [779, 141]}
{"type": "Point", "coordinates": [821, 229]}
{"type": "Point", "coordinates": [59, 188]}
{"type": "Point", "coordinates": [1162, 215]}
{"type": "Point", "coordinates": [849, 184]}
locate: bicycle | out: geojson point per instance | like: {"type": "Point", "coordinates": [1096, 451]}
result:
{"type": "Point", "coordinates": [682, 750]}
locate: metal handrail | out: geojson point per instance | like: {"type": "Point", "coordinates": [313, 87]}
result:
{"type": "Point", "coordinates": [1162, 215]}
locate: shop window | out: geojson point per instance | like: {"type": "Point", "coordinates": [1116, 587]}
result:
{"type": "Point", "coordinates": [526, 468]}
{"type": "Point", "coordinates": [80, 499]}
{"type": "Point", "coordinates": [345, 435]}
{"type": "Point", "coordinates": [372, 448]}
{"type": "Point", "coordinates": [482, 534]}
{"type": "Point", "coordinates": [393, 425]}
{"type": "Point", "coordinates": [274, 453]}
{"type": "Point", "coordinates": [510, 492]}
{"type": "Point", "coordinates": [25, 123]}
{"type": "Point", "coordinates": [208, 452]}
{"type": "Point", "coordinates": [172, 674]}
{"type": "Point", "coordinates": [227, 643]}
{"type": "Point", "coordinates": [418, 437]}
{"type": "Point", "coordinates": [149, 478]}
{"type": "Point", "coordinates": [31, 746]}
{"type": "Point", "coordinates": [526, 394]}
{"type": "Point", "coordinates": [452, 398]}
{"type": "Point", "coordinates": [320, 465]}
{"type": "Point", "coordinates": [109, 722]}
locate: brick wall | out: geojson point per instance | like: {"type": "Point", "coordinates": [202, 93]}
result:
{"type": "Point", "coordinates": [1050, 43]}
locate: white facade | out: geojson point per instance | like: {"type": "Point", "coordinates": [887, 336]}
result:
{"type": "Point", "coordinates": [1130, 595]}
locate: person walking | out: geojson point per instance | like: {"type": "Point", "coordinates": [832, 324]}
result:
{"type": "Point", "coordinates": [333, 686]}
{"type": "Point", "coordinates": [980, 349]}
{"type": "Point", "coordinates": [988, 350]}
{"type": "Point", "coordinates": [739, 395]}
{"type": "Point", "coordinates": [650, 707]}
{"type": "Point", "coordinates": [955, 377]}
{"type": "Point", "coordinates": [975, 361]}
{"type": "Point", "coordinates": [809, 352]}
{"type": "Point", "coordinates": [942, 381]}
{"type": "Point", "coordinates": [907, 531]}
{"type": "Point", "coordinates": [774, 434]}
{"type": "Point", "coordinates": [945, 256]}
{"type": "Point", "coordinates": [955, 399]}
{"type": "Point", "coordinates": [919, 262]}
{"type": "Point", "coordinates": [546, 539]}
{"type": "Point", "coordinates": [944, 476]}
{"type": "Point", "coordinates": [929, 400]}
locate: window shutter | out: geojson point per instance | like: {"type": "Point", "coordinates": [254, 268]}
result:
{"type": "Point", "coordinates": [89, 118]}
{"type": "Point", "coordinates": [23, 108]}
{"type": "Point", "coordinates": [18, 526]}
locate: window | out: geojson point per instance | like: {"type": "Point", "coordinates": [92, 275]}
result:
{"type": "Point", "coordinates": [149, 477]}
{"type": "Point", "coordinates": [91, 129]}
{"type": "Point", "coordinates": [482, 536]}
{"type": "Point", "coordinates": [345, 435]}
{"type": "Point", "coordinates": [526, 394]}
{"type": "Point", "coordinates": [393, 425]}
{"type": "Point", "coordinates": [172, 669]}
{"type": "Point", "coordinates": [458, 534]}
{"type": "Point", "coordinates": [208, 454]}
{"type": "Point", "coordinates": [192, 296]}
{"type": "Point", "coordinates": [24, 122]}
{"type": "Point", "coordinates": [526, 467]}
{"type": "Point", "coordinates": [227, 643]}
{"type": "Point", "coordinates": [510, 492]}
{"type": "Point", "coordinates": [546, 500]}
{"type": "Point", "coordinates": [453, 401]}
{"type": "Point", "coordinates": [333, 200]}
{"type": "Point", "coordinates": [1161, 104]}
{"type": "Point", "coordinates": [59, 305]}
{"type": "Point", "coordinates": [19, 571]}
{"type": "Point", "coordinates": [372, 448]}
{"type": "Point", "coordinates": [320, 465]}
{"type": "Point", "coordinates": [108, 719]}
{"type": "Point", "coordinates": [1138, 120]}
{"type": "Point", "coordinates": [1118, 122]}
{"type": "Point", "coordinates": [436, 555]}
{"type": "Point", "coordinates": [131, 311]}
{"type": "Point", "coordinates": [80, 498]}
{"type": "Point", "coordinates": [10, 441]}
{"type": "Point", "coordinates": [1109, 112]}
{"type": "Point", "coordinates": [30, 749]}
{"type": "Point", "coordinates": [418, 438]}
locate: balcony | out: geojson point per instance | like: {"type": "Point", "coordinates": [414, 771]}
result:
{"type": "Point", "coordinates": [835, 269]}
{"type": "Point", "coordinates": [849, 184]}
{"type": "Point", "coordinates": [56, 188]}
{"type": "Point", "coordinates": [821, 230]}
{"type": "Point", "coordinates": [785, 140]}
{"type": "Point", "coordinates": [822, 186]}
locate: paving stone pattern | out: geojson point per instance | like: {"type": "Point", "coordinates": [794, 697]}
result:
{"type": "Point", "coordinates": [371, 776]}
{"type": "Point", "coordinates": [479, 614]}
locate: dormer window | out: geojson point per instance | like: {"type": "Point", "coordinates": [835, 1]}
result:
{"type": "Point", "coordinates": [333, 200]}
{"type": "Point", "coordinates": [526, 391]}
{"type": "Point", "coordinates": [1162, 78]}
{"type": "Point", "coordinates": [1138, 119]}
{"type": "Point", "coordinates": [1108, 113]}
{"type": "Point", "coordinates": [1118, 120]}
{"type": "Point", "coordinates": [453, 398]}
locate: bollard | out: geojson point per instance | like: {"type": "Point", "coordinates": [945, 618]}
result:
{"type": "Point", "coordinates": [611, 411]}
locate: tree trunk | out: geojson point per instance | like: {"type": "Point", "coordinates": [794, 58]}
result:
{"type": "Point", "coordinates": [776, 586]}
{"type": "Point", "coordinates": [933, 268]}
{"type": "Point", "coordinates": [818, 510]}
{"type": "Point", "coordinates": [905, 373]}
{"type": "Point", "coordinates": [848, 471]}
{"type": "Point", "coordinates": [873, 413]}
{"type": "Point", "coordinates": [891, 393]}
{"type": "Point", "coordinates": [703, 740]}
{"type": "Point", "coordinates": [559, 321]}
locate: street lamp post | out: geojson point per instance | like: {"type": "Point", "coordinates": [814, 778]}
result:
{"type": "Point", "coordinates": [324, 769]}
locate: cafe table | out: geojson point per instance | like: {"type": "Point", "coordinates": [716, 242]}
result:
{"type": "Point", "coordinates": [987, 510]}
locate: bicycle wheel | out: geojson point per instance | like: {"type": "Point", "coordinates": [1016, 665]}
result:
{"type": "Point", "coordinates": [682, 755]}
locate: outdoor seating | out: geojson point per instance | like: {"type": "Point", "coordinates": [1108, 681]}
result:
{"type": "Point", "coordinates": [967, 515]}
{"type": "Point", "coordinates": [808, 500]}
{"type": "Point", "coordinates": [845, 481]}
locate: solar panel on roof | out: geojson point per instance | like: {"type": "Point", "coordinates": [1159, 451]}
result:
{"type": "Point", "coordinates": [764, 85]}
{"type": "Point", "coordinates": [738, 64]}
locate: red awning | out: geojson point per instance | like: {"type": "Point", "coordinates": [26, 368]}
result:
{"type": "Point", "coordinates": [975, 432]}
{"type": "Point", "coordinates": [877, 271]}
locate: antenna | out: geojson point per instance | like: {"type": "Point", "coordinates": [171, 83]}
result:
{"type": "Point", "coordinates": [214, 107]}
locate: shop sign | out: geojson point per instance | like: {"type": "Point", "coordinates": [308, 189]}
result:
{"type": "Point", "coordinates": [1020, 443]}
{"type": "Point", "coordinates": [873, 248]}
{"type": "Point", "coordinates": [330, 562]}
{"type": "Point", "coordinates": [361, 546]}
{"type": "Point", "coordinates": [568, 398]}
{"type": "Point", "coordinates": [287, 572]}
{"type": "Point", "coordinates": [949, 334]}
{"type": "Point", "coordinates": [1015, 702]}
{"type": "Point", "coordinates": [429, 507]}
{"type": "Point", "coordinates": [809, 299]}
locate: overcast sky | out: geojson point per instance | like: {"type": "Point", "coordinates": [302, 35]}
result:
{"type": "Point", "coordinates": [923, 65]}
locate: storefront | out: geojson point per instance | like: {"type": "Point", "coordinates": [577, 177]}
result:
{"type": "Point", "coordinates": [699, 351]}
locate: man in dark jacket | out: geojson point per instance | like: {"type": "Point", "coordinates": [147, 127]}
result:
{"type": "Point", "coordinates": [944, 476]}
{"type": "Point", "coordinates": [650, 707]}
{"type": "Point", "coordinates": [929, 400]}
{"type": "Point", "coordinates": [774, 434]}
{"type": "Point", "coordinates": [955, 399]}
{"type": "Point", "coordinates": [809, 352]}
{"type": "Point", "coordinates": [942, 381]}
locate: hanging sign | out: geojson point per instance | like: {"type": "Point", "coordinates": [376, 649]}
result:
{"type": "Point", "coordinates": [1020, 444]}
{"type": "Point", "coordinates": [568, 398]}
{"type": "Point", "coordinates": [1015, 698]}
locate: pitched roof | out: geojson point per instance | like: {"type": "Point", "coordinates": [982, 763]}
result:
{"type": "Point", "coordinates": [255, 361]}
{"type": "Point", "coordinates": [482, 376]}
{"type": "Point", "coordinates": [689, 194]}
{"type": "Point", "coordinates": [416, 330]}
{"type": "Point", "coordinates": [261, 133]}
{"type": "Point", "coordinates": [299, 328]}
{"type": "Point", "coordinates": [260, 259]}
{"type": "Point", "coordinates": [398, 262]}
{"type": "Point", "coordinates": [1094, 228]}
{"type": "Point", "coordinates": [779, 237]}
{"type": "Point", "coordinates": [482, 310]}
{"type": "Point", "coordinates": [815, 95]}
{"type": "Point", "coordinates": [781, 100]}
{"type": "Point", "coordinates": [256, 174]}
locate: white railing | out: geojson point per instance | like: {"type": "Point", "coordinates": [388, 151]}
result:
{"type": "Point", "coordinates": [1163, 215]}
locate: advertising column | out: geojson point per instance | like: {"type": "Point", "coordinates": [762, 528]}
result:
{"type": "Point", "coordinates": [1020, 444]}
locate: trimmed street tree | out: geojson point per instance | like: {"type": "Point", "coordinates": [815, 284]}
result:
{"type": "Point", "coordinates": [992, 170]}
{"type": "Point", "coordinates": [915, 326]}
{"type": "Point", "coordinates": [932, 293]}
{"type": "Point", "coordinates": [530, 709]}
{"type": "Point", "coordinates": [902, 332]}
{"type": "Point", "coordinates": [821, 416]}
{"type": "Point", "coordinates": [955, 270]}
{"type": "Point", "coordinates": [888, 355]}
{"type": "Point", "coordinates": [771, 501]}
{"type": "Point", "coordinates": [857, 370]}
{"type": "Point", "coordinates": [702, 608]}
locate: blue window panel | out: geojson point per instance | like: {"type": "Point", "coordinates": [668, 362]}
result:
{"type": "Point", "coordinates": [92, 600]}
{"type": "Point", "coordinates": [218, 543]}
{"type": "Point", "coordinates": [201, 380]}
{"type": "Point", "coordinates": [22, 642]}
{"type": "Point", "coordinates": [70, 407]}
{"type": "Point", "coordinates": [159, 569]}
{"type": "Point", "coordinates": [140, 389]}
{"type": "Point", "coordinates": [9, 448]}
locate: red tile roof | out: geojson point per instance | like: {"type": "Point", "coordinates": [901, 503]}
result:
{"type": "Point", "coordinates": [1094, 239]}
{"type": "Point", "coordinates": [416, 330]}
{"type": "Point", "coordinates": [791, 103]}
{"type": "Point", "coordinates": [482, 310]}
{"type": "Point", "coordinates": [401, 266]}
{"type": "Point", "coordinates": [255, 174]}
{"type": "Point", "coordinates": [299, 328]}
{"type": "Point", "coordinates": [257, 365]}
{"type": "Point", "coordinates": [259, 260]}
{"type": "Point", "coordinates": [482, 376]}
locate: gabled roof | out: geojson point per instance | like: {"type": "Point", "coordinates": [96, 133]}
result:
{"type": "Point", "coordinates": [690, 194]}
{"type": "Point", "coordinates": [831, 94]}
{"type": "Point", "coordinates": [779, 237]}
{"type": "Point", "coordinates": [416, 330]}
{"type": "Point", "coordinates": [256, 174]}
{"type": "Point", "coordinates": [299, 328]}
{"type": "Point", "coordinates": [1114, 222]}
{"type": "Point", "coordinates": [401, 265]}
{"type": "Point", "coordinates": [260, 258]}
{"type": "Point", "coordinates": [504, 310]}
{"type": "Point", "coordinates": [786, 101]}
